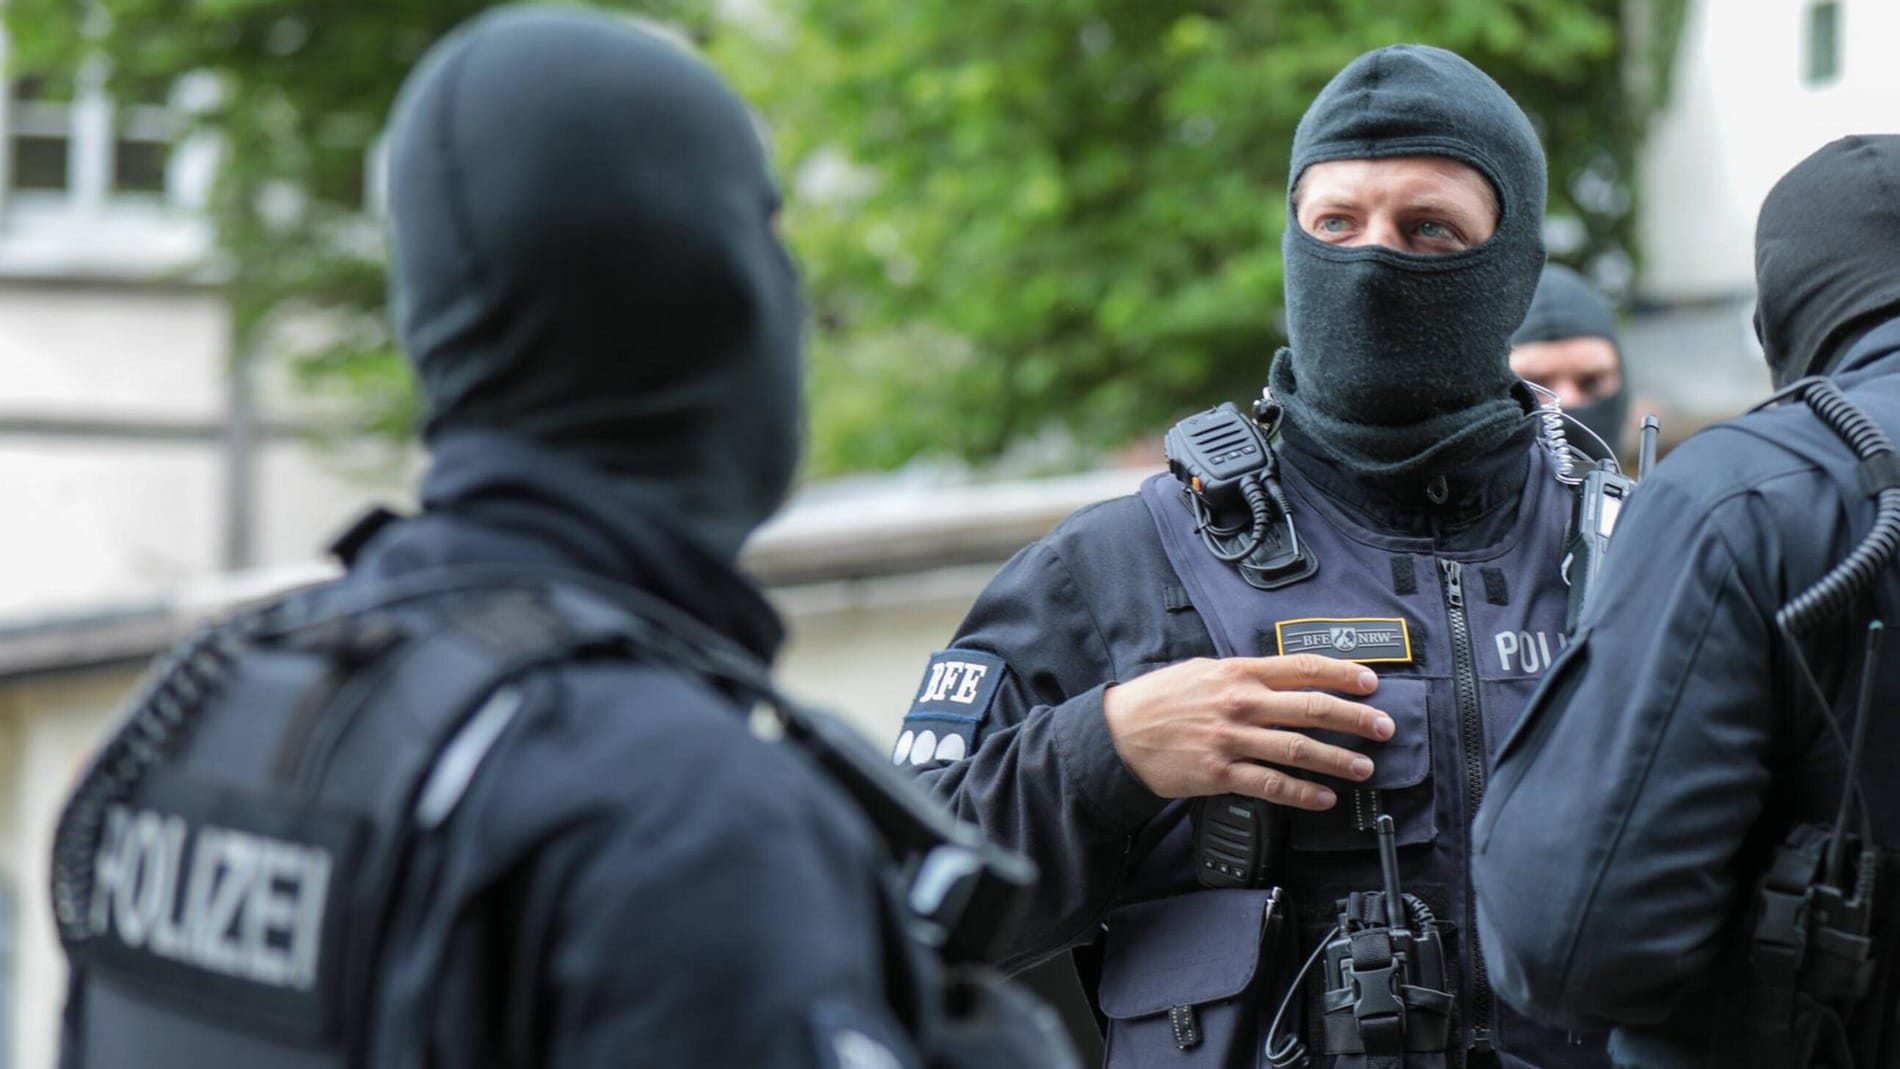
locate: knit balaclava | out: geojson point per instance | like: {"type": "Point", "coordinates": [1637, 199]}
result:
{"type": "Point", "coordinates": [1398, 362]}
{"type": "Point", "coordinates": [1825, 248]}
{"type": "Point", "coordinates": [584, 256]}
{"type": "Point", "coordinates": [1567, 307]}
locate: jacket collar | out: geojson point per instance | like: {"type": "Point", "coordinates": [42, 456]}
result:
{"type": "Point", "coordinates": [1871, 349]}
{"type": "Point", "coordinates": [1471, 505]}
{"type": "Point", "coordinates": [496, 499]}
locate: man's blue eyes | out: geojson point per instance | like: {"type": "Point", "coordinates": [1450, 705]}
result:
{"type": "Point", "coordinates": [1425, 233]}
{"type": "Point", "coordinates": [1339, 224]}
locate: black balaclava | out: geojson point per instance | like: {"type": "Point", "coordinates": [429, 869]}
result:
{"type": "Point", "coordinates": [584, 255]}
{"type": "Point", "coordinates": [1564, 307]}
{"type": "Point", "coordinates": [1399, 362]}
{"type": "Point", "coordinates": [1826, 246]}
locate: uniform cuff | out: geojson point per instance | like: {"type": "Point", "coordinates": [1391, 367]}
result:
{"type": "Point", "coordinates": [1090, 760]}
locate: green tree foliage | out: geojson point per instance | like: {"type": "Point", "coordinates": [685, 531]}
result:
{"type": "Point", "coordinates": [1071, 210]}
{"type": "Point", "coordinates": [1015, 215]}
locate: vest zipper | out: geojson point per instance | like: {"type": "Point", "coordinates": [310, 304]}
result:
{"type": "Point", "coordinates": [1471, 751]}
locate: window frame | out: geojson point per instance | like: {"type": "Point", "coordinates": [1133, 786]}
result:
{"type": "Point", "coordinates": [93, 126]}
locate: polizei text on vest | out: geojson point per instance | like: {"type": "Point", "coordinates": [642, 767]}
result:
{"type": "Point", "coordinates": [230, 902]}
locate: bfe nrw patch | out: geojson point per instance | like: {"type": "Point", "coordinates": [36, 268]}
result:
{"type": "Point", "coordinates": [1366, 639]}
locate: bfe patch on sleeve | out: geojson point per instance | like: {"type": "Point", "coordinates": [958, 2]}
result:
{"type": "Point", "coordinates": [952, 699]}
{"type": "Point", "coordinates": [1366, 639]}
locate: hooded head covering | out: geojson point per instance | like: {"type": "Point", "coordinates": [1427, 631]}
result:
{"type": "Point", "coordinates": [1826, 244]}
{"type": "Point", "coordinates": [584, 256]}
{"type": "Point", "coordinates": [1399, 362]}
{"type": "Point", "coordinates": [1565, 307]}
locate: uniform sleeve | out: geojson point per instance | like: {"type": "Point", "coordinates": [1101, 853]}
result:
{"type": "Point", "coordinates": [1039, 773]}
{"type": "Point", "coordinates": [745, 926]}
{"type": "Point", "coordinates": [1605, 853]}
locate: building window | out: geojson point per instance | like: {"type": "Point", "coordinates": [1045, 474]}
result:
{"type": "Point", "coordinates": [70, 138]}
{"type": "Point", "coordinates": [141, 148]}
{"type": "Point", "coordinates": [1824, 42]}
{"type": "Point", "coordinates": [42, 135]}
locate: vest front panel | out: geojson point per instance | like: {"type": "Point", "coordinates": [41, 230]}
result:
{"type": "Point", "coordinates": [1459, 641]}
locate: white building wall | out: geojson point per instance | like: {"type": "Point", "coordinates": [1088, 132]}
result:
{"type": "Point", "coordinates": [104, 521]}
{"type": "Point", "coordinates": [112, 519]}
{"type": "Point", "coordinates": [123, 350]}
{"type": "Point", "coordinates": [1740, 115]}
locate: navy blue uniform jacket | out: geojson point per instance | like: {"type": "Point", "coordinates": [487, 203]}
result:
{"type": "Point", "coordinates": [1097, 602]}
{"type": "Point", "coordinates": [632, 879]}
{"type": "Point", "coordinates": [1671, 748]}
{"type": "Point", "coordinates": [645, 881]}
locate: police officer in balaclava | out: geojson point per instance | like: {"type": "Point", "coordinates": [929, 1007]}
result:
{"type": "Point", "coordinates": [1693, 747]}
{"type": "Point", "coordinates": [495, 792]}
{"type": "Point", "coordinates": [1568, 346]}
{"type": "Point", "coordinates": [1195, 730]}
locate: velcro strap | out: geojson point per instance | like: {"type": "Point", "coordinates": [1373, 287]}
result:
{"type": "Point", "coordinates": [1880, 472]}
{"type": "Point", "coordinates": [1382, 1036]}
{"type": "Point", "coordinates": [1371, 949]}
{"type": "Point", "coordinates": [1363, 909]}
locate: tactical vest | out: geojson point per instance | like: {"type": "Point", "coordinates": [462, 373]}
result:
{"type": "Point", "coordinates": [1460, 641]}
{"type": "Point", "coordinates": [223, 873]}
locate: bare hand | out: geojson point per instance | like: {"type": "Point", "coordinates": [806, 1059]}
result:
{"type": "Point", "coordinates": [1206, 726]}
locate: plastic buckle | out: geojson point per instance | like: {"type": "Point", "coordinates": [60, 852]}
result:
{"type": "Point", "coordinates": [1784, 919]}
{"type": "Point", "coordinates": [1376, 993]}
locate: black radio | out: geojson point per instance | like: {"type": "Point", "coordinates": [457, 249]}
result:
{"type": "Point", "coordinates": [1237, 840]}
{"type": "Point", "coordinates": [1228, 470]}
{"type": "Point", "coordinates": [1600, 500]}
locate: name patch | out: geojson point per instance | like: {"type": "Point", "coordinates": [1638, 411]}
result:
{"type": "Point", "coordinates": [1366, 639]}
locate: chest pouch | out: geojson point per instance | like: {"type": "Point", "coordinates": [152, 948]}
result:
{"type": "Point", "coordinates": [1386, 992]}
